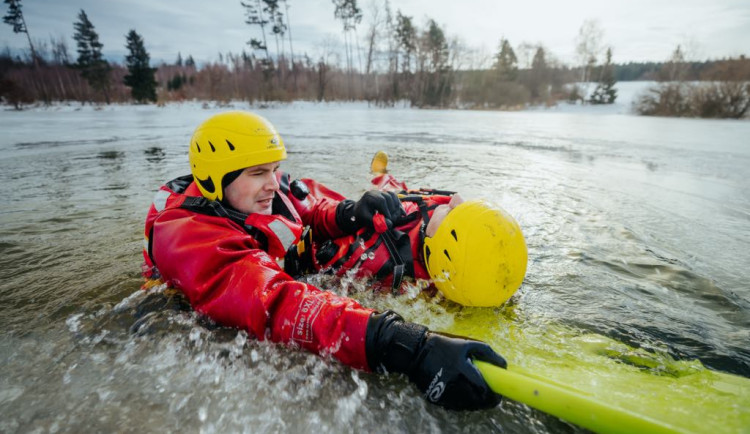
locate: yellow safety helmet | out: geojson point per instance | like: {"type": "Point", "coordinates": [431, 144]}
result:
{"type": "Point", "coordinates": [477, 256]}
{"type": "Point", "coordinates": [228, 142]}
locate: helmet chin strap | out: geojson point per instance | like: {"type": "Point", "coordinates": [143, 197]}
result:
{"type": "Point", "coordinates": [424, 211]}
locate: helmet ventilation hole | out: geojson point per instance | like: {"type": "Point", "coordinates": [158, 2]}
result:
{"type": "Point", "coordinates": [198, 146]}
{"type": "Point", "coordinates": [453, 232]}
{"type": "Point", "coordinates": [207, 184]}
{"type": "Point", "coordinates": [212, 146]}
{"type": "Point", "coordinates": [231, 146]}
{"type": "Point", "coordinates": [447, 255]}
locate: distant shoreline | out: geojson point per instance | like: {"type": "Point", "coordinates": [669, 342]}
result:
{"type": "Point", "coordinates": [628, 93]}
{"type": "Point", "coordinates": [622, 106]}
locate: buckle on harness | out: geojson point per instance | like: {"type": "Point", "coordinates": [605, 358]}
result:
{"type": "Point", "coordinates": [399, 267]}
{"type": "Point", "coordinates": [298, 260]}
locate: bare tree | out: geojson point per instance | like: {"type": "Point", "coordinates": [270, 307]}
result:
{"type": "Point", "coordinates": [676, 68]}
{"type": "Point", "coordinates": [388, 94]}
{"type": "Point", "coordinates": [350, 15]}
{"type": "Point", "coordinates": [327, 50]}
{"type": "Point", "coordinates": [291, 48]}
{"type": "Point", "coordinates": [525, 54]}
{"type": "Point", "coordinates": [457, 50]}
{"type": "Point", "coordinates": [589, 47]}
{"type": "Point", "coordinates": [477, 58]}
{"type": "Point", "coordinates": [373, 33]}
{"type": "Point", "coordinates": [60, 54]}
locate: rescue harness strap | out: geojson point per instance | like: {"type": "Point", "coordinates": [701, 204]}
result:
{"type": "Point", "coordinates": [399, 266]}
{"type": "Point", "coordinates": [396, 242]}
{"type": "Point", "coordinates": [298, 258]}
{"type": "Point", "coordinates": [201, 205]}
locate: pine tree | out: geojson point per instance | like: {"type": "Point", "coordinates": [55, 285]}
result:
{"type": "Point", "coordinates": [436, 75]}
{"type": "Point", "coordinates": [140, 76]}
{"type": "Point", "coordinates": [605, 92]}
{"type": "Point", "coordinates": [506, 62]}
{"type": "Point", "coordinates": [93, 67]}
{"type": "Point", "coordinates": [276, 19]}
{"type": "Point", "coordinates": [14, 17]}
{"type": "Point", "coordinates": [406, 37]}
{"type": "Point", "coordinates": [254, 17]}
{"type": "Point", "coordinates": [176, 82]}
{"type": "Point", "coordinates": [537, 78]}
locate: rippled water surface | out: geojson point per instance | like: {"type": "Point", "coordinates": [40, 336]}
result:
{"type": "Point", "coordinates": [637, 230]}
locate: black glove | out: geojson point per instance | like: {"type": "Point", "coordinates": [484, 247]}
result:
{"type": "Point", "coordinates": [439, 365]}
{"type": "Point", "coordinates": [352, 216]}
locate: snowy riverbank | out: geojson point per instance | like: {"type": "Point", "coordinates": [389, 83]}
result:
{"type": "Point", "coordinates": [626, 93]}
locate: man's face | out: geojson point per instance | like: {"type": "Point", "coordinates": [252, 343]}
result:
{"type": "Point", "coordinates": [439, 214]}
{"type": "Point", "coordinates": [254, 189]}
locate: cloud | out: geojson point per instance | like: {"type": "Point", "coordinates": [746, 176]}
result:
{"type": "Point", "coordinates": [637, 29]}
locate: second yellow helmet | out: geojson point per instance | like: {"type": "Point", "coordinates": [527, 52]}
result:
{"type": "Point", "coordinates": [231, 141]}
{"type": "Point", "coordinates": [477, 256]}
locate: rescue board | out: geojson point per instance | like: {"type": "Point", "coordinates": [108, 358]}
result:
{"type": "Point", "coordinates": [605, 385]}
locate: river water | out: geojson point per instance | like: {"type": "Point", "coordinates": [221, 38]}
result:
{"type": "Point", "coordinates": [637, 230]}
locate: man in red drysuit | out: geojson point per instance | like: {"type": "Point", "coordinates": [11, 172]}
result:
{"type": "Point", "coordinates": [219, 234]}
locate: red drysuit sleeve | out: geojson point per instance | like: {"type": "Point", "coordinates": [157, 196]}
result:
{"type": "Point", "coordinates": [225, 276]}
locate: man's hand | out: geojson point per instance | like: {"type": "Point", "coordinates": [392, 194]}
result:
{"type": "Point", "coordinates": [439, 365]}
{"type": "Point", "coordinates": [444, 372]}
{"type": "Point", "coordinates": [352, 216]}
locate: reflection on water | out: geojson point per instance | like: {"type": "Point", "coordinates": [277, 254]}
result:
{"type": "Point", "coordinates": [154, 155]}
{"type": "Point", "coordinates": [637, 229]}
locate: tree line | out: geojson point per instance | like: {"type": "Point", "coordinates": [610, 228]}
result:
{"type": "Point", "coordinates": [395, 59]}
{"type": "Point", "coordinates": [90, 78]}
{"type": "Point", "coordinates": [718, 89]}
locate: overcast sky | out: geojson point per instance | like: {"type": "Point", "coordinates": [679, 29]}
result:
{"type": "Point", "coordinates": [637, 30]}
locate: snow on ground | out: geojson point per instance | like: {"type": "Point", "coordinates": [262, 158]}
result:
{"type": "Point", "coordinates": [626, 93]}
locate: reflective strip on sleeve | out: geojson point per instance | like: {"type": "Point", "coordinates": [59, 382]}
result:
{"type": "Point", "coordinates": [160, 200]}
{"type": "Point", "coordinates": [283, 233]}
